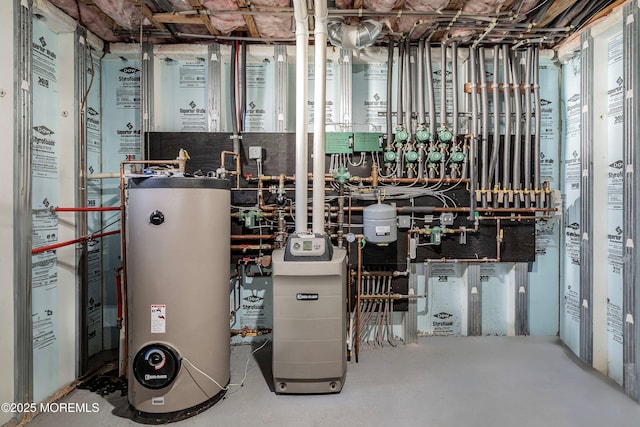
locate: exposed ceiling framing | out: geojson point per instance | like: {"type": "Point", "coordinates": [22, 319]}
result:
{"type": "Point", "coordinates": [521, 22]}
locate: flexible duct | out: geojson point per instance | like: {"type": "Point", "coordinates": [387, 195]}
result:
{"type": "Point", "coordinates": [355, 37]}
{"type": "Point", "coordinates": [320, 97]}
{"type": "Point", "coordinates": [484, 157]}
{"type": "Point", "coordinates": [517, 142]}
{"type": "Point", "coordinates": [527, 127]}
{"type": "Point", "coordinates": [506, 166]}
{"type": "Point", "coordinates": [302, 41]}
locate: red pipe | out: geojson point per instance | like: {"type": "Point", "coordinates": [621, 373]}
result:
{"type": "Point", "coordinates": [109, 208]}
{"type": "Point", "coordinates": [72, 242]}
{"type": "Point", "coordinates": [119, 295]}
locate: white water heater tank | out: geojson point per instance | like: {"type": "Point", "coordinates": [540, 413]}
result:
{"type": "Point", "coordinates": [177, 294]}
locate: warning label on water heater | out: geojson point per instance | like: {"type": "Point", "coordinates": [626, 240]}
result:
{"type": "Point", "coordinates": [158, 318]}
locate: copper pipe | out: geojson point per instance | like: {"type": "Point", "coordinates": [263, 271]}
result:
{"type": "Point", "coordinates": [245, 248]}
{"type": "Point", "coordinates": [82, 209]}
{"type": "Point", "coordinates": [484, 260]}
{"type": "Point", "coordinates": [72, 242]}
{"type": "Point", "coordinates": [253, 236]}
{"type": "Point", "coordinates": [237, 171]}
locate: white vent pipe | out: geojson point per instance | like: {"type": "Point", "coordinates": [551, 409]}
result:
{"type": "Point", "coordinates": [302, 167]}
{"type": "Point", "coordinates": [320, 97]}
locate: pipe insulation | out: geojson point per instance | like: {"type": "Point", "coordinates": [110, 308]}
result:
{"type": "Point", "coordinates": [408, 84]}
{"type": "Point", "coordinates": [517, 142]}
{"type": "Point", "coordinates": [430, 93]}
{"type": "Point", "coordinates": [399, 109]}
{"type": "Point", "coordinates": [473, 63]}
{"type": "Point", "coordinates": [420, 82]}
{"type": "Point", "coordinates": [506, 152]}
{"type": "Point", "coordinates": [538, 124]}
{"type": "Point", "coordinates": [527, 126]}
{"type": "Point", "coordinates": [320, 98]}
{"type": "Point", "coordinates": [495, 87]}
{"type": "Point", "coordinates": [454, 83]}
{"type": "Point", "coordinates": [484, 156]}
{"type": "Point", "coordinates": [389, 92]}
{"type": "Point", "coordinates": [302, 42]}
{"type": "Point", "coordinates": [443, 84]}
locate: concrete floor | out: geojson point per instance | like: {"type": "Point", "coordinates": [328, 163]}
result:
{"type": "Point", "coordinates": [442, 381]}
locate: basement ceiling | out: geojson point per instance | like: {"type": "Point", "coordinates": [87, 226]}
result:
{"type": "Point", "coordinates": [521, 22]}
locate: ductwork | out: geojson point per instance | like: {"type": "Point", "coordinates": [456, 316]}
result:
{"type": "Point", "coordinates": [355, 37]}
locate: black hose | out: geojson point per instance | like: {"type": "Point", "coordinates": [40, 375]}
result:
{"type": "Point", "coordinates": [243, 70]}
{"type": "Point", "coordinates": [399, 112]}
{"type": "Point", "coordinates": [232, 91]}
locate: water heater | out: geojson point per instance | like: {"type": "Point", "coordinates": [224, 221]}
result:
{"type": "Point", "coordinates": [177, 263]}
{"type": "Point", "coordinates": [309, 316]}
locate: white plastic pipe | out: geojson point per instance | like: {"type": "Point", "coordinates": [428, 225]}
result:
{"type": "Point", "coordinates": [320, 97]}
{"type": "Point", "coordinates": [302, 151]}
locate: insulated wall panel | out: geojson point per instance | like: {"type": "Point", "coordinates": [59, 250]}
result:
{"type": "Point", "coordinates": [333, 120]}
{"type": "Point", "coordinates": [93, 137]}
{"type": "Point", "coordinates": [183, 96]}
{"type": "Point", "coordinates": [370, 97]}
{"type": "Point", "coordinates": [495, 298]}
{"type": "Point", "coordinates": [120, 141]}
{"type": "Point", "coordinates": [44, 148]}
{"type": "Point", "coordinates": [252, 303]}
{"type": "Point", "coordinates": [545, 275]}
{"type": "Point", "coordinates": [571, 176]}
{"type": "Point", "coordinates": [615, 199]}
{"type": "Point", "coordinates": [446, 300]}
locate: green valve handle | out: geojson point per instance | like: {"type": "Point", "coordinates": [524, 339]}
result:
{"type": "Point", "coordinates": [445, 135]}
{"type": "Point", "coordinates": [423, 135]}
{"type": "Point", "coordinates": [411, 156]}
{"type": "Point", "coordinates": [457, 157]}
{"type": "Point", "coordinates": [390, 156]}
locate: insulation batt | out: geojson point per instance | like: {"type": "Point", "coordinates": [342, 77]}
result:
{"type": "Point", "coordinates": [426, 5]}
{"type": "Point", "coordinates": [379, 5]}
{"type": "Point", "coordinates": [273, 26]}
{"type": "Point", "coordinates": [224, 23]}
{"type": "Point", "coordinates": [483, 7]}
{"type": "Point", "coordinates": [124, 13]}
{"type": "Point", "coordinates": [90, 18]}
{"type": "Point", "coordinates": [344, 4]}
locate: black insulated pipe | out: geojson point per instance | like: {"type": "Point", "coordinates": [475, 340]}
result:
{"type": "Point", "coordinates": [389, 92]}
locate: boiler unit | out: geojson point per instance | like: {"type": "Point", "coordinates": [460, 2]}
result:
{"type": "Point", "coordinates": [177, 259]}
{"type": "Point", "coordinates": [309, 316]}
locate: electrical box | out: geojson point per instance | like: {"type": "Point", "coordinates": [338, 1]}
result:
{"type": "Point", "coordinates": [255, 153]}
{"type": "Point", "coordinates": [338, 143]}
{"type": "Point", "coordinates": [366, 142]}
